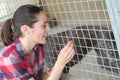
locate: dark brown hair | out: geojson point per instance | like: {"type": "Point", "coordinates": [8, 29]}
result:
{"type": "Point", "coordinates": [24, 15]}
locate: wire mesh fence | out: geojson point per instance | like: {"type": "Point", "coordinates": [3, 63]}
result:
{"type": "Point", "coordinates": [87, 23]}
{"type": "Point", "coordinates": [8, 7]}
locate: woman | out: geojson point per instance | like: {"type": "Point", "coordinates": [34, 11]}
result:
{"type": "Point", "coordinates": [23, 54]}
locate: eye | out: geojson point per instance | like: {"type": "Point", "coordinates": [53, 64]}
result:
{"type": "Point", "coordinates": [46, 24]}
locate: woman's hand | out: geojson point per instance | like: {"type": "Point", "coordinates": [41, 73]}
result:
{"type": "Point", "coordinates": [66, 54]}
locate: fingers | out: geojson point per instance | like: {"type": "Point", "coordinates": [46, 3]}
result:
{"type": "Point", "coordinates": [66, 54]}
{"type": "Point", "coordinates": [69, 51]}
{"type": "Point", "coordinates": [69, 44]}
{"type": "Point", "coordinates": [71, 54]}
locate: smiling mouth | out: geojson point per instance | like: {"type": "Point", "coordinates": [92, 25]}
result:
{"type": "Point", "coordinates": [45, 35]}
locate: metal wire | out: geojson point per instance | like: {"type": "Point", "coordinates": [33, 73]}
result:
{"type": "Point", "coordinates": [8, 7]}
{"type": "Point", "coordinates": [87, 23]}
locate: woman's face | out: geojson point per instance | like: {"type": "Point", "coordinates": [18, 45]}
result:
{"type": "Point", "coordinates": [40, 29]}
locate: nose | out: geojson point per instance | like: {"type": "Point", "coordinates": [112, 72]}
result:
{"type": "Point", "coordinates": [48, 28]}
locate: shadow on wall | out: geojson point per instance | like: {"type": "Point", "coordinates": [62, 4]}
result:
{"type": "Point", "coordinates": [86, 38]}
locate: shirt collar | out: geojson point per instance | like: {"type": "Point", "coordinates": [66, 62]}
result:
{"type": "Point", "coordinates": [21, 52]}
{"type": "Point", "coordinates": [19, 48]}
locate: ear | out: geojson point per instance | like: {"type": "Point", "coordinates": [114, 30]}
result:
{"type": "Point", "coordinates": [25, 29]}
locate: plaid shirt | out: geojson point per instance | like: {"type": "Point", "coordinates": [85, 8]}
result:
{"type": "Point", "coordinates": [15, 64]}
